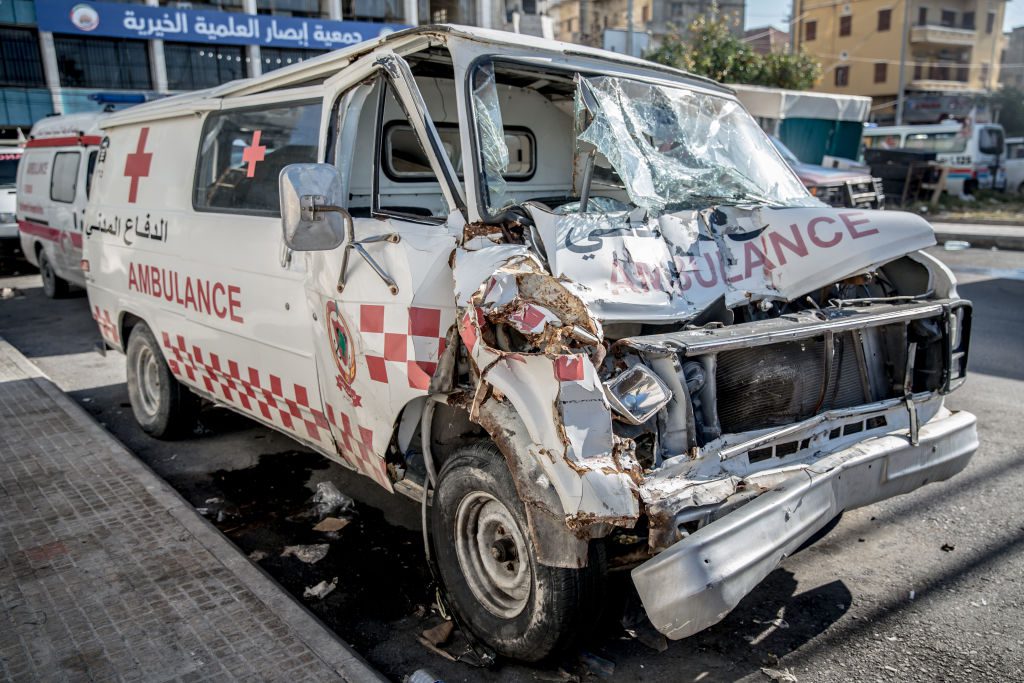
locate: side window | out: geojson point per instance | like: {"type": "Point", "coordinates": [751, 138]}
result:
{"type": "Point", "coordinates": [418, 195]}
{"type": "Point", "coordinates": [90, 166]}
{"type": "Point", "coordinates": [242, 152]}
{"type": "Point", "coordinates": [64, 176]}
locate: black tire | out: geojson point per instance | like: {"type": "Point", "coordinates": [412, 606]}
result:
{"type": "Point", "coordinates": [163, 406]}
{"type": "Point", "coordinates": [558, 606]}
{"type": "Point", "coordinates": [54, 285]}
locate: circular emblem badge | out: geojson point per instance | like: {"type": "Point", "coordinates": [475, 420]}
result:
{"type": "Point", "coordinates": [84, 17]}
{"type": "Point", "coordinates": [341, 344]}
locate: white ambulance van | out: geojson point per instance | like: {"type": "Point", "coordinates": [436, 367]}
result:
{"type": "Point", "coordinates": [52, 190]}
{"type": "Point", "coordinates": [9, 158]}
{"type": "Point", "coordinates": [974, 152]}
{"type": "Point", "coordinates": [577, 297]}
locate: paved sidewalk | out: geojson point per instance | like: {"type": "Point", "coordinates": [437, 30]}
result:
{"type": "Point", "coordinates": [107, 574]}
{"type": "Point", "coordinates": [982, 236]}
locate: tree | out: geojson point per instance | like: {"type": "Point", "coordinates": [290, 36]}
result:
{"type": "Point", "coordinates": [1009, 101]}
{"type": "Point", "coordinates": [710, 49]}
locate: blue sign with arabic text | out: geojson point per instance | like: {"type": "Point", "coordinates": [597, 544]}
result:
{"type": "Point", "coordinates": [202, 26]}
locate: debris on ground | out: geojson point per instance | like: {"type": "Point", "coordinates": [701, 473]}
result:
{"type": "Point", "coordinates": [599, 666]}
{"type": "Point", "coordinates": [436, 650]}
{"type": "Point", "coordinates": [329, 524]}
{"type": "Point", "coordinates": [439, 635]}
{"type": "Point", "coordinates": [649, 636]}
{"type": "Point", "coordinates": [956, 245]}
{"type": "Point", "coordinates": [779, 675]}
{"type": "Point", "coordinates": [947, 548]}
{"type": "Point", "coordinates": [11, 293]}
{"type": "Point", "coordinates": [913, 594]}
{"type": "Point", "coordinates": [329, 500]}
{"type": "Point", "coordinates": [778, 622]}
{"type": "Point", "coordinates": [310, 554]}
{"type": "Point", "coordinates": [422, 676]}
{"type": "Point", "coordinates": [321, 590]}
{"type": "Point", "coordinates": [257, 555]}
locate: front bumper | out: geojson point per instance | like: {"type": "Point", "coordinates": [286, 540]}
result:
{"type": "Point", "coordinates": [696, 582]}
{"type": "Point", "coordinates": [8, 231]}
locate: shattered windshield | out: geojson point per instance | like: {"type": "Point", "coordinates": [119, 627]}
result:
{"type": "Point", "coordinates": [635, 144]}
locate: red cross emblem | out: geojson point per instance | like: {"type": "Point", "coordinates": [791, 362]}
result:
{"type": "Point", "coordinates": [136, 165]}
{"type": "Point", "coordinates": [254, 153]}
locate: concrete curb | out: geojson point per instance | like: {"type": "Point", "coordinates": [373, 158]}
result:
{"type": "Point", "coordinates": [982, 240]}
{"type": "Point", "coordinates": [323, 642]}
{"type": "Point", "coordinates": [1002, 222]}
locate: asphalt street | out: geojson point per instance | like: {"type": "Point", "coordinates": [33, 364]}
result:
{"type": "Point", "coordinates": [924, 587]}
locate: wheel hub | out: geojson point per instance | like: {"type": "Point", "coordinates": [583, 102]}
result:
{"type": "Point", "coordinates": [492, 554]}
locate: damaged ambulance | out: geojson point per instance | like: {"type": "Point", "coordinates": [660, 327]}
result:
{"type": "Point", "coordinates": [573, 303]}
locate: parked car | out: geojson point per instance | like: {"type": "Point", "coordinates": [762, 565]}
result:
{"type": "Point", "coordinates": [835, 186]}
{"type": "Point", "coordinates": [52, 188]}
{"type": "Point", "coordinates": [1015, 165]}
{"type": "Point", "coordinates": [574, 303]}
{"type": "Point", "coordinates": [9, 158]}
{"type": "Point", "coordinates": [974, 152]}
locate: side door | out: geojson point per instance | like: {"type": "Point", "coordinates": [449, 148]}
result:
{"type": "Point", "coordinates": [240, 324]}
{"type": "Point", "coordinates": [380, 317]}
{"type": "Point", "coordinates": [71, 242]}
{"type": "Point", "coordinates": [66, 210]}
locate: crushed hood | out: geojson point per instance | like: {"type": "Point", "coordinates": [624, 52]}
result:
{"type": "Point", "coordinates": [632, 267]}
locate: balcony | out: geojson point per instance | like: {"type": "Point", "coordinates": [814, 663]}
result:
{"type": "Point", "coordinates": [943, 35]}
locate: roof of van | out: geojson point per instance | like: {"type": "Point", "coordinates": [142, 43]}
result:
{"type": "Point", "coordinates": [68, 125]}
{"type": "Point", "coordinates": [331, 62]}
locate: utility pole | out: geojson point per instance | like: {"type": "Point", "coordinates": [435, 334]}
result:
{"type": "Point", "coordinates": [629, 28]}
{"type": "Point", "coordinates": [903, 63]}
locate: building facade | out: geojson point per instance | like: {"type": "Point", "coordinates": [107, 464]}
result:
{"type": "Point", "coordinates": [588, 21]}
{"type": "Point", "coordinates": [952, 50]}
{"type": "Point", "coordinates": [766, 39]}
{"type": "Point", "coordinates": [68, 56]}
{"type": "Point", "coordinates": [1011, 71]}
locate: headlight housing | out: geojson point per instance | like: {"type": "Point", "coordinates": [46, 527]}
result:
{"type": "Point", "coordinates": [637, 394]}
{"type": "Point", "coordinates": [7, 217]}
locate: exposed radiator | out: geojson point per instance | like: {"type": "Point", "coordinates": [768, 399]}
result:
{"type": "Point", "coordinates": [776, 385]}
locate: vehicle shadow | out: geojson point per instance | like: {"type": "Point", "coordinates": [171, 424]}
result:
{"type": "Point", "coordinates": [997, 330]}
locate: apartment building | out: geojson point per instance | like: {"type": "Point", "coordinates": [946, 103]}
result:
{"type": "Point", "coordinates": [587, 21]}
{"type": "Point", "coordinates": [953, 49]}
{"type": "Point", "coordinates": [1011, 70]}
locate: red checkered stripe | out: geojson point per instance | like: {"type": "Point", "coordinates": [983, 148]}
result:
{"type": "Point", "coordinates": [224, 380]}
{"type": "Point", "coordinates": [412, 350]}
{"type": "Point", "coordinates": [108, 330]}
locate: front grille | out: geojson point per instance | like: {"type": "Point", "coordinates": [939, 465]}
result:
{"type": "Point", "coordinates": [776, 385]}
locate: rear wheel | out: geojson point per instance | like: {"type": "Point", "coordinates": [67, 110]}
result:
{"type": "Point", "coordinates": [54, 285]}
{"type": "Point", "coordinates": [519, 607]}
{"type": "Point", "coordinates": [162, 406]}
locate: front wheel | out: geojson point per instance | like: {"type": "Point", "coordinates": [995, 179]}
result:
{"type": "Point", "coordinates": [162, 406]}
{"type": "Point", "coordinates": [54, 285]}
{"type": "Point", "coordinates": [519, 607]}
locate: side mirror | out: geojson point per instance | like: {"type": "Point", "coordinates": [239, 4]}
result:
{"type": "Point", "coordinates": [311, 216]}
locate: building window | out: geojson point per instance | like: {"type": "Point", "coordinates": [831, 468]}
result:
{"type": "Point", "coordinates": [645, 14]}
{"type": "Point", "coordinates": [277, 57]}
{"type": "Point", "coordinates": [291, 8]}
{"type": "Point", "coordinates": [881, 69]}
{"type": "Point", "coordinates": [845, 25]}
{"type": "Point", "coordinates": [842, 76]}
{"type": "Point", "coordinates": [20, 62]}
{"type": "Point", "coordinates": [810, 30]}
{"type": "Point", "coordinates": [918, 71]}
{"type": "Point", "coordinates": [244, 150]}
{"type": "Point", "coordinates": [984, 73]}
{"type": "Point", "coordinates": [220, 5]}
{"type": "Point", "coordinates": [962, 74]}
{"type": "Point", "coordinates": [967, 21]}
{"type": "Point", "coordinates": [990, 22]}
{"type": "Point", "coordinates": [102, 63]}
{"type": "Point", "coordinates": [190, 66]}
{"type": "Point", "coordinates": [922, 16]}
{"type": "Point", "coordinates": [884, 19]}
{"type": "Point", "coordinates": [948, 18]}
